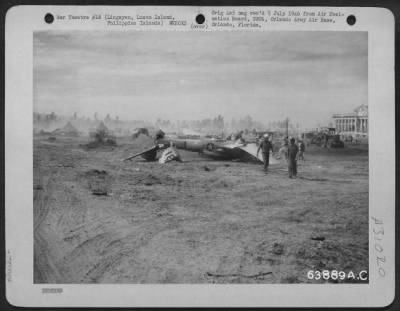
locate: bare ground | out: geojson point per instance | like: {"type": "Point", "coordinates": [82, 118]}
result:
{"type": "Point", "coordinates": [101, 220]}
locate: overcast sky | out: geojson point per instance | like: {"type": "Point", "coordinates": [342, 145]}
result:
{"type": "Point", "coordinates": [306, 76]}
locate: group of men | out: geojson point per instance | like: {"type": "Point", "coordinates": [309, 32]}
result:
{"type": "Point", "coordinates": [291, 150]}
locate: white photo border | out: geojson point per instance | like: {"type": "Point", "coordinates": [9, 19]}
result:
{"type": "Point", "coordinates": [22, 21]}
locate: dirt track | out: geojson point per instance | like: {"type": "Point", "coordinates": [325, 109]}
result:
{"type": "Point", "coordinates": [101, 220]}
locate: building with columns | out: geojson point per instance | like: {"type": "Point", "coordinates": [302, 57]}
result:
{"type": "Point", "coordinates": [353, 122]}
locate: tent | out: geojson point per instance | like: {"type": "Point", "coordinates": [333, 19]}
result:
{"type": "Point", "coordinates": [102, 128]}
{"type": "Point", "coordinates": [67, 130]}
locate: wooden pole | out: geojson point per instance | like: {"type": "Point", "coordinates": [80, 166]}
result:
{"type": "Point", "coordinates": [287, 127]}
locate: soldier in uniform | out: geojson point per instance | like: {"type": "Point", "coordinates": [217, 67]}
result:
{"type": "Point", "coordinates": [284, 148]}
{"type": "Point", "coordinates": [266, 147]}
{"type": "Point", "coordinates": [302, 148]}
{"type": "Point", "coordinates": [239, 136]}
{"type": "Point", "coordinates": [292, 158]}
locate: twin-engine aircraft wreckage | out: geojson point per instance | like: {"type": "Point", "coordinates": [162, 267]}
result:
{"type": "Point", "coordinates": [218, 149]}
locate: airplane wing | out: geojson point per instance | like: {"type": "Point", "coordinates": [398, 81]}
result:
{"type": "Point", "coordinates": [248, 152]}
{"type": "Point", "coordinates": [251, 149]}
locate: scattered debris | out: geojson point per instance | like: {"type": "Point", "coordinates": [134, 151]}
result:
{"type": "Point", "coordinates": [99, 182]}
{"type": "Point", "coordinates": [142, 177]}
{"type": "Point", "coordinates": [217, 275]}
{"type": "Point", "coordinates": [283, 232]}
{"type": "Point", "coordinates": [277, 248]}
{"type": "Point", "coordinates": [209, 168]}
{"type": "Point", "coordinates": [99, 192]}
{"type": "Point", "coordinates": [140, 131]}
{"type": "Point", "coordinates": [96, 172]}
{"type": "Point", "coordinates": [101, 138]}
{"type": "Point", "coordinates": [318, 238]}
{"type": "Point", "coordinates": [150, 183]}
{"type": "Point", "coordinates": [70, 238]}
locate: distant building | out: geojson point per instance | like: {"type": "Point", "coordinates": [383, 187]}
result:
{"type": "Point", "coordinates": [356, 121]}
{"type": "Point", "coordinates": [327, 130]}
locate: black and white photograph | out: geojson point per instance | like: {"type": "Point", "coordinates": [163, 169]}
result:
{"type": "Point", "coordinates": [209, 157]}
{"type": "Point", "coordinates": [199, 156]}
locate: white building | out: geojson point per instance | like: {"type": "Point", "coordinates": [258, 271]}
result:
{"type": "Point", "coordinates": [354, 122]}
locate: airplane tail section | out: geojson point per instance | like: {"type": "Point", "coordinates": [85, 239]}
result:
{"type": "Point", "coordinates": [170, 154]}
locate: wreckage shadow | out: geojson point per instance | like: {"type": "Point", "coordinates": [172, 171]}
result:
{"type": "Point", "coordinates": [196, 161]}
{"type": "Point", "coordinates": [183, 161]}
{"type": "Point", "coordinates": [312, 179]}
{"type": "Point", "coordinates": [143, 160]}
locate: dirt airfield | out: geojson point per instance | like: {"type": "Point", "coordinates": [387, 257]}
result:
{"type": "Point", "coordinates": [100, 220]}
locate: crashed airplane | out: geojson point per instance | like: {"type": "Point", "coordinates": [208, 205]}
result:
{"type": "Point", "coordinates": [218, 149]}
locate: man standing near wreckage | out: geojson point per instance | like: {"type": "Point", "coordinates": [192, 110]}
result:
{"type": "Point", "coordinates": [292, 158]}
{"type": "Point", "coordinates": [266, 147]}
